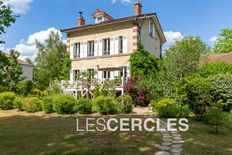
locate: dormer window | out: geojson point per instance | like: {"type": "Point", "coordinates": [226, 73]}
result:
{"type": "Point", "coordinates": [99, 19]}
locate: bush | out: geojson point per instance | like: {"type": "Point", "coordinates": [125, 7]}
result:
{"type": "Point", "coordinates": [169, 108]}
{"type": "Point", "coordinates": [222, 90]}
{"type": "Point", "coordinates": [215, 68]}
{"type": "Point", "coordinates": [214, 116]}
{"type": "Point", "coordinates": [6, 100]}
{"type": "Point", "coordinates": [107, 105]}
{"type": "Point", "coordinates": [31, 104]}
{"type": "Point", "coordinates": [228, 120]}
{"type": "Point", "coordinates": [25, 87]}
{"type": "Point", "coordinates": [47, 104]}
{"type": "Point", "coordinates": [64, 104]}
{"type": "Point", "coordinates": [83, 106]}
{"type": "Point", "coordinates": [198, 95]}
{"type": "Point", "coordinates": [18, 103]}
{"type": "Point", "coordinates": [3, 89]}
{"type": "Point", "coordinates": [125, 103]}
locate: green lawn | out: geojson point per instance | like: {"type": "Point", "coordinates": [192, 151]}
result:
{"type": "Point", "coordinates": [54, 134]}
{"type": "Point", "coordinates": [201, 140]}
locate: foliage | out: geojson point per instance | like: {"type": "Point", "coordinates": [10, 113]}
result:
{"type": "Point", "coordinates": [25, 87]}
{"type": "Point", "coordinates": [215, 68]}
{"type": "Point", "coordinates": [182, 58]}
{"type": "Point", "coordinates": [222, 90]}
{"type": "Point", "coordinates": [228, 120]}
{"type": "Point", "coordinates": [55, 88]}
{"type": "Point", "coordinates": [47, 104]}
{"type": "Point", "coordinates": [18, 103]}
{"type": "Point", "coordinates": [125, 103]}
{"type": "Point", "coordinates": [198, 95]}
{"type": "Point", "coordinates": [64, 104]}
{"type": "Point", "coordinates": [31, 104]}
{"type": "Point", "coordinates": [223, 43]}
{"type": "Point", "coordinates": [3, 89]}
{"type": "Point", "coordinates": [139, 93]}
{"type": "Point", "coordinates": [214, 116]}
{"type": "Point", "coordinates": [6, 18]}
{"type": "Point", "coordinates": [3, 63]}
{"type": "Point", "coordinates": [143, 63]}
{"type": "Point", "coordinates": [107, 105]}
{"type": "Point", "coordinates": [6, 100]}
{"type": "Point", "coordinates": [50, 60]}
{"type": "Point", "coordinates": [65, 71]}
{"type": "Point", "coordinates": [83, 106]}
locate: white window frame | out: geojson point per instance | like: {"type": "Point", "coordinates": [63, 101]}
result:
{"type": "Point", "coordinates": [91, 49]}
{"type": "Point", "coordinates": [120, 45]}
{"type": "Point", "coordinates": [151, 29]}
{"type": "Point", "coordinates": [106, 75]}
{"type": "Point", "coordinates": [106, 46]}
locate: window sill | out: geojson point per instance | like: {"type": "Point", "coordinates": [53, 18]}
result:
{"type": "Point", "coordinates": [103, 56]}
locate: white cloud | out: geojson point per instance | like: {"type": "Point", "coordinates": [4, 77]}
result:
{"type": "Point", "coordinates": [122, 1]}
{"type": "Point", "coordinates": [42, 35]}
{"type": "Point", "coordinates": [213, 39]}
{"type": "Point", "coordinates": [172, 37]}
{"type": "Point", "coordinates": [19, 6]}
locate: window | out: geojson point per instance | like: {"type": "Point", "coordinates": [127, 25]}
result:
{"type": "Point", "coordinates": [99, 19]}
{"type": "Point", "coordinates": [151, 29]}
{"type": "Point", "coordinates": [90, 48]}
{"type": "Point", "coordinates": [120, 44]}
{"type": "Point", "coordinates": [76, 74]}
{"type": "Point", "coordinates": [106, 74]}
{"type": "Point", "coordinates": [106, 46]}
{"type": "Point", "coordinates": [91, 73]}
{"type": "Point", "coordinates": [77, 50]}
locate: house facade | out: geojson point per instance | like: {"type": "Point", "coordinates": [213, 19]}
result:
{"type": "Point", "coordinates": [105, 46]}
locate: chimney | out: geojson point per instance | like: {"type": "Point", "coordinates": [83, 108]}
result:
{"type": "Point", "coordinates": [138, 8]}
{"type": "Point", "coordinates": [81, 20]}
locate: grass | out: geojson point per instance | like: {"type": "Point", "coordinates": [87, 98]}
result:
{"type": "Point", "coordinates": [33, 134]}
{"type": "Point", "coordinates": [202, 140]}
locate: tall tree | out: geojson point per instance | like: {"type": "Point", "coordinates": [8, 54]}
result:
{"type": "Point", "coordinates": [182, 58]}
{"type": "Point", "coordinates": [14, 70]}
{"type": "Point", "coordinates": [50, 60]}
{"type": "Point", "coordinates": [6, 18]}
{"type": "Point", "coordinates": [3, 63]}
{"type": "Point", "coordinates": [224, 42]}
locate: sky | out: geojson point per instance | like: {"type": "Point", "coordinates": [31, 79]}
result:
{"type": "Point", "coordinates": [178, 18]}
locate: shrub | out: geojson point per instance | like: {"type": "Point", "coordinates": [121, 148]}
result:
{"type": "Point", "coordinates": [31, 104]}
{"type": "Point", "coordinates": [125, 103]}
{"type": "Point", "coordinates": [222, 90]}
{"type": "Point", "coordinates": [215, 68]}
{"type": "Point", "coordinates": [214, 116]}
{"type": "Point", "coordinates": [107, 105]}
{"type": "Point", "coordinates": [18, 103]}
{"type": "Point", "coordinates": [6, 100]}
{"type": "Point", "coordinates": [47, 104]}
{"type": "Point", "coordinates": [25, 87]}
{"type": "Point", "coordinates": [198, 95]}
{"type": "Point", "coordinates": [83, 106]}
{"type": "Point", "coordinates": [3, 89]}
{"type": "Point", "coordinates": [64, 104]}
{"type": "Point", "coordinates": [228, 120]}
{"type": "Point", "coordinates": [169, 108]}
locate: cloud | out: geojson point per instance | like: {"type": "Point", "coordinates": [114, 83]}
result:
{"type": "Point", "coordinates": [42, 35]}
{"type": "Point", "coordinates": [122, 1]}
{"type": "Point", "coordinates": [213, 39]}
{"type": "Point", "coordinates": [18, 6]}
{"type": "Point", "coordinates": [172, 37]}
{"type": "Point", "coordinates": [27, 49]}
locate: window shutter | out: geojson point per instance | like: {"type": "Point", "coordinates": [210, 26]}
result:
{"type": "Point", "coordinates": [81, 50]}
{"type": "Point", "coordinates": [100, 48]}
{"type": "Point", "coordinates": [112, 52]}
{"type": "Point", "coordinates": [153, 27]}
{"type": "Point", "coordinates": [85, 49]}
{"type": "Point", "coordinates": [116, 45]}
{"type": "Point", "coordinates": [111, 74]}
{"type": "Point", "coordinates": [125, 43]}
{"type": "Point", "coordinates": [95, 48]}
{"type": "Point", "coordinates": [71, 76]}
{"type": "Point", "coordinates": [71, 51]}
{"type": "Point", "coordinates": [116, 73]}
{"type": "Point", "coordinates": [100, 75]}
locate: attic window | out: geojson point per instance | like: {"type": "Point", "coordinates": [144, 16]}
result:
{"type": "Point", "coordinates": [99, 19]}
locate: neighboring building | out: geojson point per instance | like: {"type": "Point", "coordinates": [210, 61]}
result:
{"type": "Point", "coordinates": [105, 47]}
{"type": "Point", "coordinates": [224, 57]}
{"type": "Point", "coordinates": [28, 70]}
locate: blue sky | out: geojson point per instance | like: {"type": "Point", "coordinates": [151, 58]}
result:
{"type": "Point", "coordinates": [178, 18]}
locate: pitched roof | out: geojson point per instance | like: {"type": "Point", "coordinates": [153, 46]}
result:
{"type": "Point", "coordinates": [119, 20]}
{"type": "Point", "coordinates": [224, 57]}
{"type": "Point", "coordinates": [98, 11]}
{"type": "Point", "coordinates": [20, 61]}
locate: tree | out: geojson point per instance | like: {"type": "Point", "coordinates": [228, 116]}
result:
{"type": "Point", "coordinates": [6, 18]}
{"type": "Point", "coordinates": [14, 71]}
{"type": "Point", "coordinates": [3, 63]}
{"type": "Point", "coordinates": [50, 60]}
{"type": "Point", "coordinates": [143, 63]}
{"type": "Point", "coordinates": [224, 42]}
{"type": "Point", "coordinates": [183, 57]}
